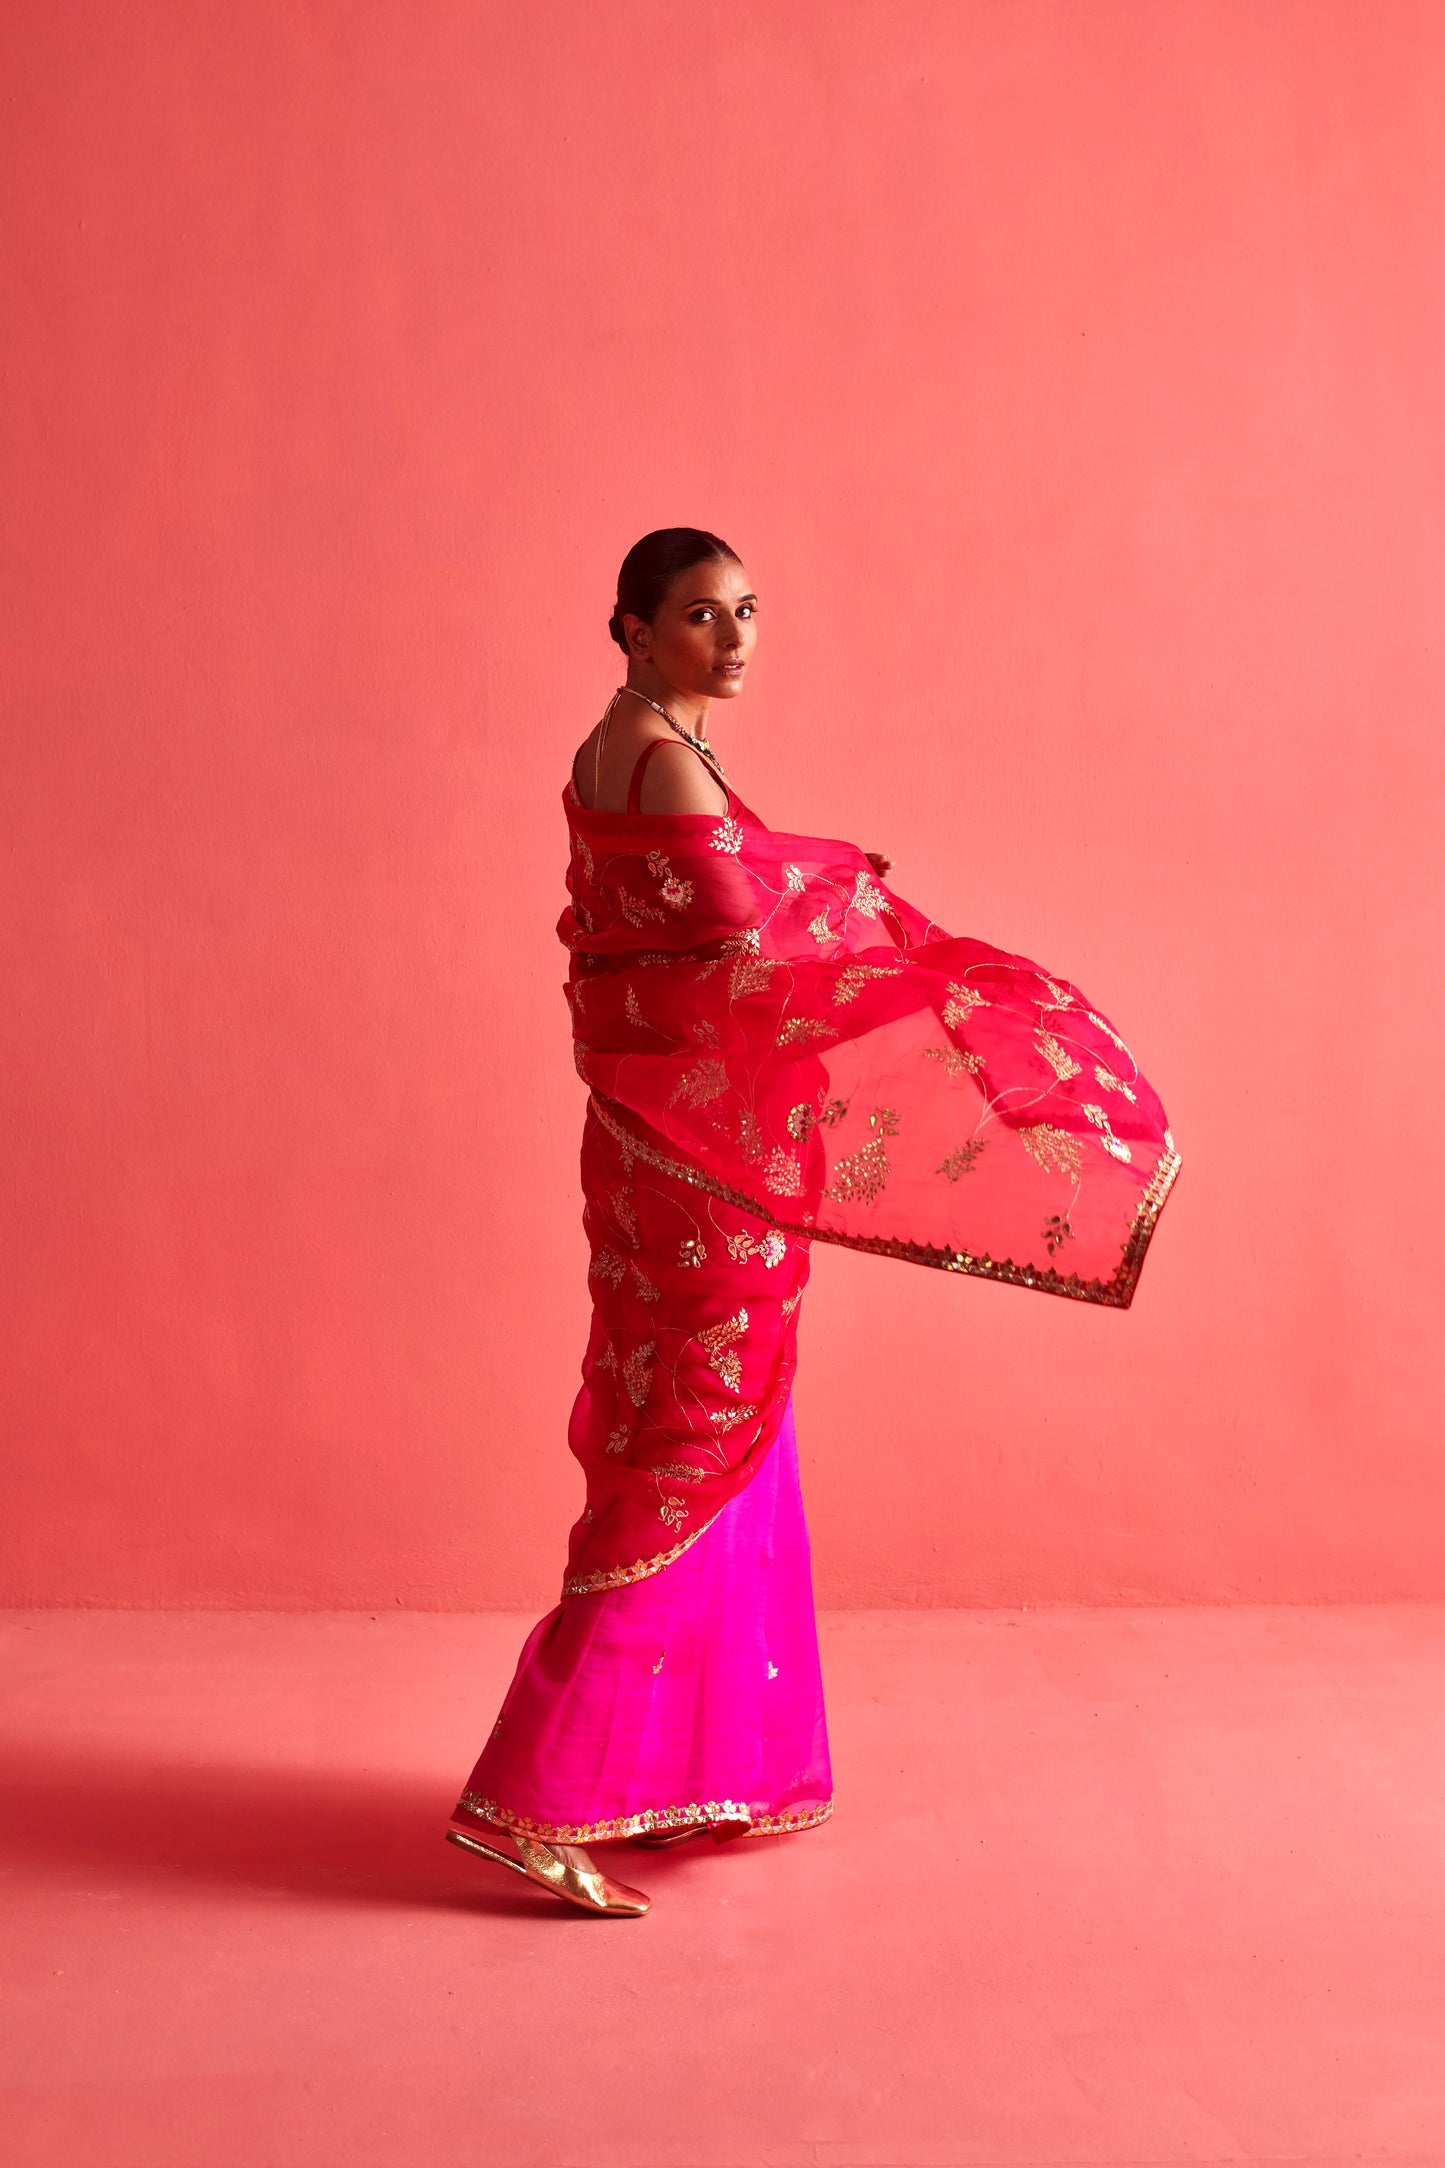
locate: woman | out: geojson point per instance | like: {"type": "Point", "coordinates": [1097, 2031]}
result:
{"type": "Point", "coordinates": [780, 1050]}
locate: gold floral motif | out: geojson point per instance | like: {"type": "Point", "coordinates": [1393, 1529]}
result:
{"type": "Point", "coordinates": [607, 1265]}
{"type": "Point", "coordinates": [798, 1028]}
{"type": "Point", "coordinates": [583, 1584]}
{"type": "Point", "coordinates": [672, 1511]}
{"type": "Point", "coordinates": [821, 931]}
{"type": "Point", "coordinates": [861, 1174]}
{"type": "Point", "coordinates": [1112, 1083]}
{"type": "Point", "coordinates": [1115, 1293]}
{"type": "Point", "coordinates": [963, 1160]}
{"type": "Point", "coordinates": [962, 1001]}
{"type": "Point", "coordinates": [637, 1373]}
{"type": "Point", "coordinates": [631, 1005]}
{"type": "Point", "coordinates": [1058, 1057]}
{"type": "Point", "coordinates": [718, 1339]}
{"type": "Point", "coordinates": [802, 1119]}
{"type": "Point", "coordinates": [1112, 1144]}
{"type": "Point", "coordinates": [705, 1033]}
{"type": "Point", "coordinates": [772, 1669]}
{"type": "Point", "coordinates": [747, 941]}
{"type": "Point", "coordinates": [866, 896]}
{"type": "Point", "coordinates": [1168, 1141]}
{"type": "Point", "coordinates": [750, 1137]}
{"type": "Point", "coordinates": [620, 1201]}
{"type": "Point", "coordinates": [676, 893]}
{"type": "Point", "coordinates": [793, 875]}
{"type": "Point", "coordinates": [956, 1059]}
{"type": "Point", "coordinates": [585, 854]}
{"type": "Point", "coordinates": [772, 1249]}
{"type": "Point", "coordinates": [617, 1440]}
{"type": "Point", "coordinates": [727, 836]}
{"type": "Point", "coordinates": [607, 1360]}
{"type": "Point", "coordinates": [658, 864]}
{"type": "Point", "coordinates": [679, 1471]}
{"type": "Point", "coordinates": [750, 975]}
{"type": "Point", "coordinates": [692, 1251]}
{"type": "Point", "coordinates": [700, 1085]}
{"type": "Point", "coordinates": [634, 910]}
{"type": "Point", "coordinates": [644, 1286]}
{"type": "Point", "coordinates": [781, 1173]}
{"type": "Point", "coordinates": [709, 1812]}
{"type": "Point", "coordinates": [1059, 996]}
{"type": "Point", "coordinates": [728, 1418]}
{"type": "Point", "coordinates": [1054, 1149]}
{"type": "Point", "coordinates": [852, 976]}
{"type": "Point", "coordinates": [1057, 1231]}
{"type": "Point", "coordinates": [1108, 1031]}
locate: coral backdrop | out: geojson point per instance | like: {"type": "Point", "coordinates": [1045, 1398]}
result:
{"type": "Point", "coordinates": [1068, 379]}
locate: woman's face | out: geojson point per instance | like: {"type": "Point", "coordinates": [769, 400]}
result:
{"type": "Point", "coordinates": [703, 635]}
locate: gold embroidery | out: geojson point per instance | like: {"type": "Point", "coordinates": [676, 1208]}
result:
{"type": "Point", "coordinates": [852, 976]}
{"type": "Point", "coordinates": [579, 1057]}
{"type": "Point", "coordinates": [679, 1471]}
{"type": "Point", "coordinates": [963, 1160]}
{"type": "Point", "coordinates": [1058, 1058]}
{"type": "Point", "coordinates": [1110, 1142]}
{"type": "Point", "coordinates": [626, 1218]}
{"type": "Point", "coordinates": [644, 1286]}
{"type": "Point", "coordinates": [963, 1000]}
{"type": "Point", "coordinates": [793, 875]}
{"type": "Point", "coordinates": [616, 1440]}
{"type": "Point", "coordinates": [662, 1659]}
{"type": "Point", "coordinates": [676, 893]}
{"type": "Point", "coordinates": [1168, 1140]}
{"type": "Point", "coordinates": [632, 1006]}
{"type": "Point", "coordinates": [658, 864]}
{"type": "Point", "coordinates": [1054, 1149]}
{"type": "Point", "coordinates": [751, 974]}
{"type": "Point", "coordinates": [1057, 1231]}
{"type": "Point", "coordinates": [1060, 997]}
{"type": "Point", "coordinates": [861, 1175]}
{"type": "Point", "coordinates": [821, 931]}
{"type": "Point", "coordinates": [707, 1081]}
{"type": "Point", "coordinates": [956, 1059]}
{"type": "Point", "coordinates": [708, 1812]}
{"type": "Point", "coordinates": [691, 1251]}
{"type": "Point", "coordinates": [782, 1174]}
{"type": "Point", "coordinates": [634, 910]}
{"type": "Point", "coordinates": [727, 836]}
{"type": "Point", "coordinates": [1108, 1031]}
{"type": "Point", "coordinates": [866, 897]}
{"type": "Point", "coordinates": [637, 1372]}
{"type": "Point", "coordinates": [728, 1418]}
{"type": "Point", "coordinates": [1112, 1083]}
{"type": "Point", "coordinates": [582, 1584]}
{"type": "Point", "coordinates": [805, 1027]}
{"type": "Point", "coordinates": [750, 1137]}
{"type": "Point", "coordinates": [585, 854]}
{"type": "Point", "coordinates": [718, 1339]}
{"type": "Point", "coordinates": [772, 1249]}
{"type": "Point", "coordinates": [705, 1033]}
{"type": "Point", "coordinates": [772, 1670]}
{"type": "Point", "coordinates": [673, 1511]}
{"type": "Point", "coordinates": [607, 1265]}
{"type": "Point", "coordinates": [1115, 1293]}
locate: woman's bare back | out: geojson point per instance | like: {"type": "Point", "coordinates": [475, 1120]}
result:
{"type": "Point", "coordinates": [676, 780]}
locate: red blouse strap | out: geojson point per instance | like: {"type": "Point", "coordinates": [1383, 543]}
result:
{"type": "Point", "coordinates": [634, 788]}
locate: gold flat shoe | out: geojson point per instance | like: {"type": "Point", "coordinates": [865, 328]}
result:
{"type": "Point", "coordinates": [539, 1863]}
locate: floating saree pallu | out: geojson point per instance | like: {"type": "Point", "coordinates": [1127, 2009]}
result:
{"type": "Point", "coordinates": [782, 1050]}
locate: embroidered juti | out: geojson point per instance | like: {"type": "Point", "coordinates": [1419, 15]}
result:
{"type": "Point", "coordinates": [780, 1050]}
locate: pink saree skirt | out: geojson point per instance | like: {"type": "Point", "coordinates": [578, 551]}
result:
{"type": "Point", "coordinates": [694, 1695]}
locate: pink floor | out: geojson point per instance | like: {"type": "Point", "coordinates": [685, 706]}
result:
{"type": "Point", "coordinates": [1107, 1887]}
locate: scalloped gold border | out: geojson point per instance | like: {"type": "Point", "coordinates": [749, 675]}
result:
{"type": "Point", "coordinates": [1116, 1293]}
{"type": "Point", "coordinates": [710, 1811]}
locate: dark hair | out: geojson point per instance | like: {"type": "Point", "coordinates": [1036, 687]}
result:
{"type": "Point", "coordinates": [651, 566]}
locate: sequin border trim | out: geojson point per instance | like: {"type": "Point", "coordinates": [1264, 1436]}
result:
{"type": "Point", "coordinates": [583, 1584]}
{"type": "Point", "coordinates": [1116, 1293]}
{"type": "Point", "coordinates": [711, 1811]}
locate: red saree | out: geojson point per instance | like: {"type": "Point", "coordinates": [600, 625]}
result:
{"type": "Point", "coordinates": [780, 1050]}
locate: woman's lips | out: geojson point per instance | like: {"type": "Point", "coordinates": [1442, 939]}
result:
{"type": "Point", "coordinates": [733, 666]}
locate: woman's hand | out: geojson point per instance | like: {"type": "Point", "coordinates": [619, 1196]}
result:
{"type": "Point", "coordinates": [881, 863]}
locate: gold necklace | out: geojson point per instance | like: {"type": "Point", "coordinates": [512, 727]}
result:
{"type": "Point", "coordinates": [699, 745]}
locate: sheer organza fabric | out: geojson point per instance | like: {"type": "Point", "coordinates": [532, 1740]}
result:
{"type": "Point", "coordinates": [689, 1696]}
{"type": "Point", "coordinates": [781, 1050]}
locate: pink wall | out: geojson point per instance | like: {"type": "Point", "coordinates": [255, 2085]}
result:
{"type": "Point", "coordinates": [1069, 379]}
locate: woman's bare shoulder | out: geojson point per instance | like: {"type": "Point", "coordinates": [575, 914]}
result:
{"type": "Point", "coordinates": [678, 780]}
